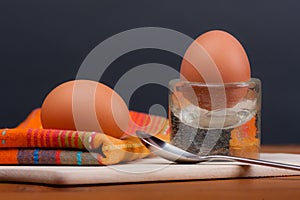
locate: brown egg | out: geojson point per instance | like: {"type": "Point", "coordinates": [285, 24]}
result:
{"type": "Point", "coordinates": [86, 106]}
{"type": "Point", "coordinates": [218, 50]}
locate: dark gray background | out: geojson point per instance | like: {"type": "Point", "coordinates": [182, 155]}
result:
{"type": "Point", "coordinates": [42, 44]}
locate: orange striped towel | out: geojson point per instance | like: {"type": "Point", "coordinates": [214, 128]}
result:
{"type": "Point", "coordinates": [29, 143]}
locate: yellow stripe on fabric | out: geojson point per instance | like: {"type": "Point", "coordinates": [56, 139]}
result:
{"type": "Point", "coordinates": [88, 140]}
{"type": "Point", "coordinates": [165, 127]}
{"type": "Point", "coordinates": [73, 139]}
{"type": "Point", "coordinates": [121, 146]}
{"type": "Point", "coordinates": [67, 139]}
{"type": "Point", "coordinates": [79, 142]}
{"type": "Point", "coordinates": [58, 138]}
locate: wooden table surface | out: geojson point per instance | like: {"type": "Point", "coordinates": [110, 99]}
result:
{"type": "Point", "coordinates": [250, 188]}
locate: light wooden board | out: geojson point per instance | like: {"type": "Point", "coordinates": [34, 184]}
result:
{"type": "Point", "coordinates": [151, 169]}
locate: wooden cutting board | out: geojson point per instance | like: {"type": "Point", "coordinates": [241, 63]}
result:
{"type": "Point", "coordinates": [145, 170]}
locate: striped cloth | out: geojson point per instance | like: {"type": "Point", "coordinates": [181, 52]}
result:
{"type": "Point", "coordinates": [30, 144]}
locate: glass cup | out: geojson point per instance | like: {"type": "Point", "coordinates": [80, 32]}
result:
{"type": "Point", "coordinates": [216, 119]}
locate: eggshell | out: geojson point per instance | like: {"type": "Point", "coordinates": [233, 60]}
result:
{"type": "Point", "coordinates": [86, 106]}
{"type": "Point", "coordinates": [231, 60]}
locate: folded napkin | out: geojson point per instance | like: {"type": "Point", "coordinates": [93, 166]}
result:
{"type": "Point", "coordinates": [29, 143]}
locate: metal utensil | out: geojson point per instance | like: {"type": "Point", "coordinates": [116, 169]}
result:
{"type": "Point", "coordinates": [175, 154]}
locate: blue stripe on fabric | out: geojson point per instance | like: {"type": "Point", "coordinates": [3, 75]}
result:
{"type": "Point", "coordinates": [36, 156]}
{"type": "Point", "coordinates": [79, 161]}
{"type": "Point", "coordinates": [3, 134]}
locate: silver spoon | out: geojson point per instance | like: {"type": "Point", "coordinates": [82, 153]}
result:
{"type": "Point", "coordinates": [175, 154]}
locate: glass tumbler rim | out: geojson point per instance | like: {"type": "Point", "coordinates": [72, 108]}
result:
{"type": "Point", "coordinates": [251, 82]}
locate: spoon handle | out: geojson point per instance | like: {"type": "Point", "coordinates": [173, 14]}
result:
{"type": "Point", "coordinates": [257, 162]}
